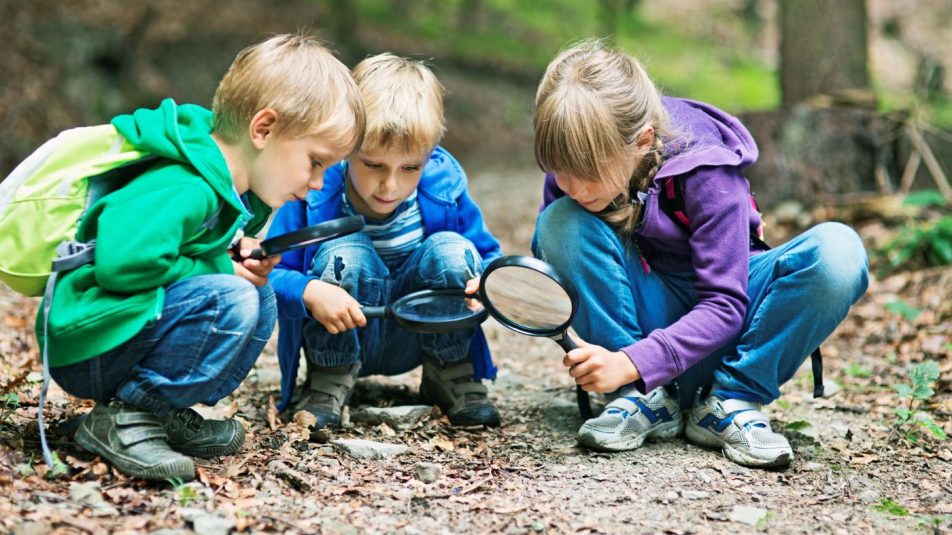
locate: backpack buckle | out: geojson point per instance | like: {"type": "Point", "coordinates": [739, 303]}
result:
{"type": "Point", "coordinates": [72, 254]}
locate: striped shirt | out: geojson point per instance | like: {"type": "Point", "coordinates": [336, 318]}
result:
{"type": "Point", "coordinates": [397, 236]}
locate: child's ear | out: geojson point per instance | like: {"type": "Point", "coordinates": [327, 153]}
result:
{"type": "Point", "coordinates": [646, 138]}
{"type": "Point", "coordinates": [262, 126]}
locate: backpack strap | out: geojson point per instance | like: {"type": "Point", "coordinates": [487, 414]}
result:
{"type": "Point", "coordinates": [671, 201]}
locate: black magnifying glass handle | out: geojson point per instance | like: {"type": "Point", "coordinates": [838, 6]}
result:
{"type": "Point", "coordinates": [566, 342]}
{"type": "Point", "coordinates": [375, 312]}
{"type": "Point", "coordinates": [256, 254]}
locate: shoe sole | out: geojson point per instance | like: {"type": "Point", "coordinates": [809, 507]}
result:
{"type": "Point", "coordinates": [183, 469]}
{"type": "Point", "coordinates": [703, 437]}
{"type": "Point", "coordinates": [210, 452]}
{"type": "Point", "coordinates": [667, 430]}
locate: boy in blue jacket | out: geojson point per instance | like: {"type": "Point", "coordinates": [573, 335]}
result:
{"type": "Point", "coordinates": [423, 232]}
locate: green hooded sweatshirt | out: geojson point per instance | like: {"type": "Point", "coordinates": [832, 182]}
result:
{"type": "Point", "coordinates": [149, 234]}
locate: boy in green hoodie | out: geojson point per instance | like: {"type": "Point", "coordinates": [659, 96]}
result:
{"type": "Point", "coordinates": [164, 318]}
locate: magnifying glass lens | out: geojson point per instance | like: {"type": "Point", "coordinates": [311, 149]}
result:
{"type": "Point", "coordinates": [528, 298]}
{"type": "Point", "coordinates": [438, 309]}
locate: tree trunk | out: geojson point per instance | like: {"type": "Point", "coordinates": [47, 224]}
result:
{"type": "Point", "coordinates": [823, 49]}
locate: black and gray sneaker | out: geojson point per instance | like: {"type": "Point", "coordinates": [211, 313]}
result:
{"type": "Point", "coordinates": [462, 398]}
{"type": "Point", "coordinates": [133, 441]}
{"type": "Point", "coordinates": [193, 435]}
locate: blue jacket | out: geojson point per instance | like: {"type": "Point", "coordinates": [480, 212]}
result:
{"type": "Point", "coordinates": [445, 205]}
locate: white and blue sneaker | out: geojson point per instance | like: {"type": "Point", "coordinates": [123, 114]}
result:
{"type": "Point", "coordinates": [740, 430]}
{"type": "Point", "coordinates": [631, 418]}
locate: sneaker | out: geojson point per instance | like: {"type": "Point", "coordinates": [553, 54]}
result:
{"type": "Point", "coordinates": [630, 419]}
{"type": "Point", "coordinates": [193, 435]}
{"type": "Point", "coordinates": [739, 429]}
{"type": "Point", "coordinates": [133, 441]}
{"type": "Point", "coordinates": [326, 393]}
{"type": "Point", "coordinates": [463, 399]}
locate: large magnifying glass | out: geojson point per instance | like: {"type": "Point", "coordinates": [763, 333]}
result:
{"type": "Point", "coordinates": [530, 297]}
{"type": "Point", "coordinates": [328, 230]}
{"type": "Point", "coordinates": [432, 311]}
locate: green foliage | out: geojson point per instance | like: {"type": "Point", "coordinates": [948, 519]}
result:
{"type": "Point", "coordinates": [904, 309]}
{"type": "Point", "coordinates": [9, 402]}
{"type": "Point", "coordinates": [910, 421]}
{"type": "Point", "coordinates": [891, 508]}
{"type": "Point", "coordinates": [926, 198]}
{"type": "Point", "coordinates": [184, 494]}
{"type": "Point", "coordinates": [798, 425]}
{"type": "Point", "coordinates": [856, 370]}
{"type": "Point", "coordinates": [919, 244]}
{"type": "Point", "coordinates": [59, 468]}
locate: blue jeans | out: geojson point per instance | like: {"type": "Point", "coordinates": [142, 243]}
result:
{"type": "Point", "coordinates": [799, 292]}
{"type": "Point", "coordinates": [211, 331]}
{"type": "Point", "coordinates": [443, 260]}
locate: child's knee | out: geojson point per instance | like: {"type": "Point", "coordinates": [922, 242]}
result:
{"type": "Point", "coordinates": [449, 255]}
{"type": "Point", "coordinates": [238, 302]}
{"type": "Point", "coordinates": [345, 261]}
{"type": "Point", "coordinates": [845, 268]}
{"type": "Point", "coordinates": [561, 226]}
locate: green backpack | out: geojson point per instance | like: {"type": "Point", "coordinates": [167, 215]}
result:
{"type": "Point", "coordinates": [43, 199]}
{"type": "Point", "coordinates": [41, 204]}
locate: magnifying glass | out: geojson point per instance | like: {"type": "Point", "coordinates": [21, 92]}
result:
{"type": "Point", "coordinates": [530, 297]}
{"type": "Point", "coordinates": [432, 311]}
{"type": "Point", "coordinates": [327, 230]}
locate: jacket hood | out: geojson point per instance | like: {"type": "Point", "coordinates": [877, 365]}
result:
{"type": "Point", "coordinates": [443, 179]}
{"type": "Point", "coordinates": [704, 136]}
{"type": "Point", "coordinates": [181, 133]}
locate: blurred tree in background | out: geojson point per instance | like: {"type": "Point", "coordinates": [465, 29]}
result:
{"type": "Point", "coordinates": [82, 62]}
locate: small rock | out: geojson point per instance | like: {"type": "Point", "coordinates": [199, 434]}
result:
{"type": "Point", "coordinates": [213, 525]}
{"type": "Point", "coordinates": [86, 493]}
{"type": "Point", "coordinates": [694, 494]}
{"type": "Point", "coordinates": [812, 466]}
{"type": "Point", "coordinates": [870, 496]}
{"type": "Point", "coordinates": [427, 472]}
{"type": "Point", "coordinates": [31, 528]}
{"type": "Point", "coordinates": [748, 515]}
{"type": "Point", "coordinates": [34, 377]}
{"type": "Point", "coordinates": [368, 449]}
{"type": "Point", "coordinates": [206, 523]}
{"type": "Point", "coordinates": [670, 496]}
{"type": "Point", "coordinates": [400, 418]}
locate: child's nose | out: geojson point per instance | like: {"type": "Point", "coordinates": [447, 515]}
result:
{"type": "Point", "coordinates": [316, 181]}
{"type": "Point", "coordinates": [389, 183]}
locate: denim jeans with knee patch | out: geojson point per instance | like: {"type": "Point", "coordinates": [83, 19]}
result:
{"type": "Point", "coordinates": [211, 331]}
{"type": "Point", "coordinates": [443, 260]}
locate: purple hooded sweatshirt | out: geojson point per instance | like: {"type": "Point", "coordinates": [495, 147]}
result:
{"type": "Point", "coordinates": [709, 150]}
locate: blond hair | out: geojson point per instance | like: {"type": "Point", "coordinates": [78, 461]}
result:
{"type": "Point", "coordinates": [591, 107]}
{"type": "Point", "coordinates": [295, 75]}
{"type": "Point", "coordinates": [404, 103]}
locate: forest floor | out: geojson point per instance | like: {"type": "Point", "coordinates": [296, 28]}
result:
{"type": "Point", "coordinates": [851, 474]}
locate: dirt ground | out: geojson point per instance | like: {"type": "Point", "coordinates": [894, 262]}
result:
{"type": "Point", "coordinates": [529, 476]}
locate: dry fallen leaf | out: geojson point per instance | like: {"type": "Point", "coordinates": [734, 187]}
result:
{"type": "Point", "coordinates": [442, 444]}
{"type": "Point", "coordinates": [305, 419]}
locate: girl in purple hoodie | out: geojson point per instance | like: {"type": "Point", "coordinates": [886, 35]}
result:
{"type": "Point", "coordinates": [693, 314]}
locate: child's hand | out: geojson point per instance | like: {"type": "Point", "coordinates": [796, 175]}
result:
{"type": "Point", "coordinates": [333, 307]}
{"type": "Point", "coordinates": [597, 369]}
{"type": "Point", "coordinates": [472, 286]}
{"type": "Point", "coordinates": [255, 271]}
